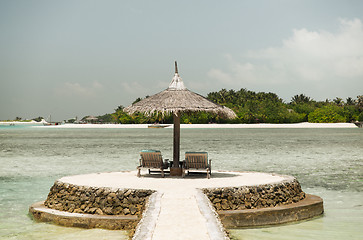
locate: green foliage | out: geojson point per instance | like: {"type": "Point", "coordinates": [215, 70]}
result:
{"type": "Point", "coordinates": [350, 101]}
{"type": "Point", "coordinates": [38, 119]}
{"type": "Point", "coordinates": [304, 109]}
{"type": "Point", "coordinates": [107, 118]}
{"type": "Point", "coordinates": [198, 118]}
{"type": "Point", "coordinates": [72, 120]}
{"type": "Point", "coordinates": [137, 100]}
{"type": "Point", "coordinates": [139, 118]}
{"type": "Point", "coordinates": [350, 113]}
{"type": "Point", "coordinates": [360, 117]}
{"type": "Point", "coordinates": [359, 102]}
{"type": "Point", "coordinates": [298, 99]}
{"type": "Point", "coordinates": [252, 107]}
{"type": "Point", "coordinates": [121, 117]}
{"type": "Point", "coordinates": [328, 114]}
{"type": "Point", "coordinates": [259, 107]}
{"type": "Point", "coordinates": [338, 101]}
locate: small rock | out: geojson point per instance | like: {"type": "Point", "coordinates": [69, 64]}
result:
{"type": "Point", "coordinates": [133, 210]}
{"type": "Point", "coordinates": [99, 211]}
{"type": "Point", "coordinates": [77, 211]}
{"type": "Point", "coordinates": [92, 210]}
{"type": "Point", "coordinates": [126, 211]}
{"type": "Point", "coordinates": [112, 195]}
{"type": "Point", "coordinates": [108, 210]}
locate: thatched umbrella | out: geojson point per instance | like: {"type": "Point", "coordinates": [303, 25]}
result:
{"type": "Point", "coordinates": [177, 99]}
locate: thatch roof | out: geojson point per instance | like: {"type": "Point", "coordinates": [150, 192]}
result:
{"type": "Point", "coordinates": [177, 99]}
{"type": "Point", "coordinates": [91, 118]}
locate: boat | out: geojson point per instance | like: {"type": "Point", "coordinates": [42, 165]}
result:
{"type": "Point", "coordinates": [156, 125]}
{"type": "Point", "coordinates": [50, 123]}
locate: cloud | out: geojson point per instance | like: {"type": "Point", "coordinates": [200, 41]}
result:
{"type": "Point", "coordinates": [76, 89]}
{"type": "Point", "coordinates": [131, 87]}
{"type": "Point", "coordinates": [138, 89]}
{"type": "Point", "coordinates": [310, 60]}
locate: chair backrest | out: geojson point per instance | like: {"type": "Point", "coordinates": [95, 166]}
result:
{"type": "Point", "coordinates": [196, 160]}
{"type": "Point", "coordinates": [151, 158]}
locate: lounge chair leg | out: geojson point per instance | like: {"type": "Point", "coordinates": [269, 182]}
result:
{"type": "Point", "coordinates": [208, 173]}
{"type": "Point", "coordinates": [138, 172]}
{"type": "Point", "coordinates": [162, 173]}
{"type": "Point", "coordinates": [183, 173]}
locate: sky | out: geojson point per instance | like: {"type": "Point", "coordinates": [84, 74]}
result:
{"type": "Point", "coordinates": [83, 57]}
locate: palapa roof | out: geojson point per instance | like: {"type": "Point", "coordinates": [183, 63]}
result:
{"type": "Point", "coordinates": [91, 118]}
{"type": "Point", "coordinates": [177, 99]}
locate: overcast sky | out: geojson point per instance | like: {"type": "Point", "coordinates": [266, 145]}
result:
{"type": "Point", "coordinates": [76, 58]}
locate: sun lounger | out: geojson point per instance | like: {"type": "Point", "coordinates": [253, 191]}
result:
{"type": "Point", "coordinates": [198, 161]}
{"type": "Point", "coordinates": [152, 159]}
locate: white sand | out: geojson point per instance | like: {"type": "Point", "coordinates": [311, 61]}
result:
{"type": "Point", "coordinates": [155, 182]}
{"type": "Point", "coordinates": [261, 125]}
{"type": "Point", "coordinates": [31, 123]}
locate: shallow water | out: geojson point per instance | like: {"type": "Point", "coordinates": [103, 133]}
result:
{"type": "Point", "coordinates": [327, 162]}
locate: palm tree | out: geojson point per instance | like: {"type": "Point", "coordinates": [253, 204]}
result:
{"type": "Point", "coordinates": [338, 101]}
{"type": "Point", "coordinates": [300, 99]}
{"type": "Point", "coordinates": [350, 101]}
{"type": "Point", "coordinates": [359, 102]}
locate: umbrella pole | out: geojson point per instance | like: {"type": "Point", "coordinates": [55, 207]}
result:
{"type": "Point", "coordinates": [176, 170]}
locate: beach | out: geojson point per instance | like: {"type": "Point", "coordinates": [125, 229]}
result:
{"type": "Point", "coordinates": [212, 126]}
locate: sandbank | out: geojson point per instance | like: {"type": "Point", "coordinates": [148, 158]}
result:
{"type": "Point", "coordinates": [19, 123]}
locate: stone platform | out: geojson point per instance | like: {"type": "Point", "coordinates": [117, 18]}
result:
{"type": "Point", "coordinates": [193, 207]}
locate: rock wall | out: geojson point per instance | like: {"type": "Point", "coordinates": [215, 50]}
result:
{"type": "Point", "coordinates": [101, 201]}
{"type": "Point", "coordinates": [252, 197]}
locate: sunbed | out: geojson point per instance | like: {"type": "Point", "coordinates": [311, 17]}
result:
{"type": "Point", "coordinates": [197, 161]}
{"type": "Point", "coordinates": [152, 159]}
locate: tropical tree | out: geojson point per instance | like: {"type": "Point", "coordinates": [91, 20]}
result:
{"type": "Point", "coordinates": [359, 102]}
{"type": "Point", "coordinates": [327, 114]}
{"type": "Point", "coordinates": [38, 119]}
{"type": "Point", "coordinates": [338, 101]}
{"type": "Point", "coordinates": [350, 101]}
{"type": "Point", "coordinates": [260, 107]}
{"type": "Point", "coordinates": [297, 99]}
{"type": "Point", "coordinates": [137, 100]}
{"type": "Point", "coordinates": [360, 117]}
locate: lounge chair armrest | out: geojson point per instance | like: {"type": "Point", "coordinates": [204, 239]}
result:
{"type": "Point", "coordinates": [166, 163]}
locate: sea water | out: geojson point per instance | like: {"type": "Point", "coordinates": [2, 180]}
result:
{"type": "Point", "coordinates": [327, 162]}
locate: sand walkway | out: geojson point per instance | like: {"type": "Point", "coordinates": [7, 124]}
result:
{"type": "Point", "coordinates": [180, 217]}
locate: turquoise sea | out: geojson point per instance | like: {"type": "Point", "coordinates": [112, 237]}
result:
{"type": "Point", "coordinates": [327, 162]}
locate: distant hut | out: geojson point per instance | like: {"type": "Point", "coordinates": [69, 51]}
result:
{"type": "Point", "coordinates": [91, 119]}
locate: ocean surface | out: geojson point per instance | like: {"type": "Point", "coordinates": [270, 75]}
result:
{"type": "Point", "coordinates": [327, 162]}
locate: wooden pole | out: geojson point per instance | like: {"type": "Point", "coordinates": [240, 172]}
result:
{"type": "Point", "coordinates": [176, 150]}
{"type": "Point", "coordinates": [176, 67]}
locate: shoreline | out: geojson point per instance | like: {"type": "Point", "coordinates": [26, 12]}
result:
{"type": "Point", "coordinates": [14, 123]}
{"type": "Point", "coordinates": [209, 126]}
